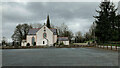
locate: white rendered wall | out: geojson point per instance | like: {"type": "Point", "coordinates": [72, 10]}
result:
{"type": "Point", "coordinates": [29, 39]}
{"type": "Point", "coordinates": [55, 38]}
{"type": "Point", "coordinates": [64, 42]}
{"type": "Point", "coordinates": [23, 43]}
{"type": "Point", "coordinates": [40, 38]}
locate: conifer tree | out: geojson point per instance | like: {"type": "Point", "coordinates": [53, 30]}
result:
{"type": "Point", "coordinates": [113, 23]}
{"type": "Point", "coordinates": [118, 26]}
{"type": "Point", "coordinates": [105, 22]}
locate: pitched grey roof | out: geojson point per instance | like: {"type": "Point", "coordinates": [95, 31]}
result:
{"type": "Point", "coordinates": [63, 39]}
{"type": "Point", "coordinates": [33, 31]}
{"type": "Point", "coordinates": [54, 31]}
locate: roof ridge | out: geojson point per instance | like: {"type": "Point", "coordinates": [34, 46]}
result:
{"type": "Point", "coordinates": [35, 28]}
{"type": "Point", "coordinates": [63, 37]}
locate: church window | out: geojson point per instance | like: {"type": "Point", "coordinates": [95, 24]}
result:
{"type": "Point", "coordinates": [43, 42]}
{"type": "Point", "coordinates": [44, 28]}
{"type": "Point", "coordinates": [44, 35]}
{"type": "Point", "coordinates": [33, 40]}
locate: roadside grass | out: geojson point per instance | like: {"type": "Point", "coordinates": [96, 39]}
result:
{"type": "Point", "coordinates": [59, 46]}
{"type": "Point", "coordinates": [79, 44]}
{"type": "Point", "coordinates": [111, 43]}
{"type": "Point", "coordinates": [22, 47]}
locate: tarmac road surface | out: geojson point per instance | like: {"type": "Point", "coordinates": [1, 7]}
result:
{"type": "Point", "coordinates": [59, 57]}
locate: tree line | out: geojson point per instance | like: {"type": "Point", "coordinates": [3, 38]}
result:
{"type": "Point", "coordinates": [22, 30]}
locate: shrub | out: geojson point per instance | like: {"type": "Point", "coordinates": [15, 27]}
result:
{"type": "Point", "coordinates": [34, 43]}
{"type": "Point", "coordinates": [54, 44]}
{"type": "Point", "coordinates": [61, 43]}
{"type": "Point", "coordinates": [28, 44]}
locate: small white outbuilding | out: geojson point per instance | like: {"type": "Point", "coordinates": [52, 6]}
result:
{"type": "Point", "coordinates": [63, 40]}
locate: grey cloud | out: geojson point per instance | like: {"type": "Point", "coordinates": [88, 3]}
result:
{"type": "Point", "coordinates": [119, 7]}
{"type": "Point", "coordinates": [39, 11]}
{"type": "Point", "coordinates": [67, 10]}
{"type": "Point", "coordinates": [77, 15]}
{"type": "Point", "coordinates": [15, 12]}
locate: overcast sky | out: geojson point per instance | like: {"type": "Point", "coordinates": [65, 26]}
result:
{"type": "Point", "coordinates": [77, 15]}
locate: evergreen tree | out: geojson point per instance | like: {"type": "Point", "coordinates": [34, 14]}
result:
{"type": "Point", "coordinates": [113, 23]}
{"type": "Point", "coordinates": [105, 22]}
{"type": "Point", "coordinates": [118, 26]}
{"type": "Point", "coordinates": [48, 22]}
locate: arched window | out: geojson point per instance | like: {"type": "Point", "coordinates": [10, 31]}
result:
{"type": "Point", "coordinates": [44, 29]}
{"type": "Point", "coordinates": [44, 35]}
{"type": "Point", "coordinates": [43, 42]}
{"type": "Point", "coordinates": [33, 40]}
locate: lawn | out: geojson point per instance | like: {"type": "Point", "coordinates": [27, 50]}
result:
{"type": "Point", "coordinates": [79, 43]}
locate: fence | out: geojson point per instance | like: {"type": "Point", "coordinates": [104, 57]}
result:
{"type": "Point", "coordinates": [108, 47]}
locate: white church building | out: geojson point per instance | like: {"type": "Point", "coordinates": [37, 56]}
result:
{"type": "Point", "coordinates": [44, 36]}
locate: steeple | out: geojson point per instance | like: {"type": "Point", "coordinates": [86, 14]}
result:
{"type": "Point", "coordinates": [48, 22]}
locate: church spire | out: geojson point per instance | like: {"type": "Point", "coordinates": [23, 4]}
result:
{"type": "Point", "coordinates": [48, 22]}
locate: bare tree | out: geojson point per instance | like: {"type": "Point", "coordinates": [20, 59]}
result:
{"type": "Point", "coordinates": [20, 33]}
{"type": "Point", "coordinates": [78, 37]}
{"type": "Point", "coordinates": [4, 41]}
{"type": "Point", "coordinates": [64, 31]}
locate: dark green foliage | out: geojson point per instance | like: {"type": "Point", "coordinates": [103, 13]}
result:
{"type": "Point", "coordinates": [34, 44]}
{"type": "Point", "coordinates": [78, 37]}
{"type": "Point", "coordinates": [28, 44]}
{"type": "Point", "coordinates": [118, 25]}
{"type": "Point", "coordinates": [4, 42]}
{"type": "Point", "coordinates": [61, 43]}
{"type": "Point", "coordinates": [88, 36]}
{"type": "Point", "coordinates": [106, 29]}
{"type": "Point", "coordinates": [48, 22]}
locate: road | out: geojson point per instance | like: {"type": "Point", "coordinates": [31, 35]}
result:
{"type": "Point", "coordinates": [59, 57]}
